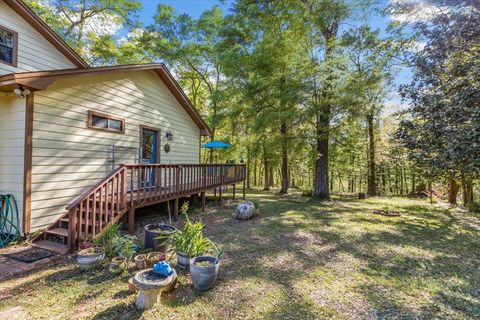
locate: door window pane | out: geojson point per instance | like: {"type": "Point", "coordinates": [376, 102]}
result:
{"type": "Point", "coordinates": [147, 144]}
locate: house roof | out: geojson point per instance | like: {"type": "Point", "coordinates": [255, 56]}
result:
{"type": "Point", "coordinates": [40, 80]}
{"type": "Point", "coordinates": [26, 13]}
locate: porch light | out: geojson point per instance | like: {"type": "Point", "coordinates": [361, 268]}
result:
{"type": "Point", "coordinates": [21, 91]}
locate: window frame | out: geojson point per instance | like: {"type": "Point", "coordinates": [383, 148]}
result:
{"type": "Point", "coordinates": [15, 47]}
{"type": "Point", "coordinates": [90, 125]}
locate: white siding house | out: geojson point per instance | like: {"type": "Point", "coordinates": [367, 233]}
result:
{"type": "Point", "coordinates": [60, 120]}
{"type": "Point", "coordinates": [68, 157]}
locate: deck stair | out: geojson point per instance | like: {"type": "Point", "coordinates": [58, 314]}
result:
{"type": "Point", "coordinates": [130, 187]}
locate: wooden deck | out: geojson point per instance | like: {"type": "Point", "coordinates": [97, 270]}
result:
{"type": "Point", "coordinates": [134, 186]}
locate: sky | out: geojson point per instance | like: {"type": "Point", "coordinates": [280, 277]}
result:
{"type": "Point", "coordinates": [194, 8]}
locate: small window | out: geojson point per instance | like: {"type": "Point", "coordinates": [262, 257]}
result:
{"type": "Point", "coordinates": [8, 46]}
{"type": "Point", "coordinates": [105, 122]}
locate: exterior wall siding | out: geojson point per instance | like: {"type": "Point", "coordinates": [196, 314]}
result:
{"type": "Point", "coordinates": [34, 51]}
{"type": "Point", "coordinates": [68, 158]}
{"type": "Point", "coordinates": [12, 132]}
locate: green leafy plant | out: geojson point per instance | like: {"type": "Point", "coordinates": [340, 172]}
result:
{"type": "Point", "coordinates": [107, 238]}
{"type": "Point", "coordinates": [190, 239]}
{"type": "Point", "coordinates": [124, 246]}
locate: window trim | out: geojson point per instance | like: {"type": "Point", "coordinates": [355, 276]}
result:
{"type": "Point", "coordinates": [15, 47]}
{"type": "Point", "coordinates": [90, 125]}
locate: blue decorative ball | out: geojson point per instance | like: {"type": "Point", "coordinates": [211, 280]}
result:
{"type": "Point", "coordinates": [163, 268]}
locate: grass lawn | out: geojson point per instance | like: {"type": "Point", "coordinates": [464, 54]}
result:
{"type": "Point", "coordinates": [300, 259]}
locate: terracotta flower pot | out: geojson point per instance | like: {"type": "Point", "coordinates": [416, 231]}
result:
{"type": "Point", "coordinates": [118, 265]}
{"type": "Point", "coordinates": [141, 261]}
{"type": "Point", "coordinates": [154, 257]}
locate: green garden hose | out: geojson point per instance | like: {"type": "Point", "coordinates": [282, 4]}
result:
{"type": "Point", "coordinates": [9, 220]}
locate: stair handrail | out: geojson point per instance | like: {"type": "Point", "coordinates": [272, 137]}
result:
{"type": "Point", "coordinates": [95, 188]}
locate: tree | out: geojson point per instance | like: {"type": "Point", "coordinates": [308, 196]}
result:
{"type": "Point", "coordinates": [86, 24]}
{"type": "Point", "coordinates": [441, 127]}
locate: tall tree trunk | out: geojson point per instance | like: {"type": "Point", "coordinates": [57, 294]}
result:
{"type": "Point", "coordinates": [467, 190]}
{"type": "Point", "coordinates": [212, 137]}
{"type": "Point", "coordinates": [284, 133]}
{"type": "Point", "coordinates": [248, 167]}
{"type": "Point", "coordinates": [321, 186]}
{"type": "Point", "coordinates": [271, 176]}
{"type": "Point", "coordinates": [452, 190]}
{"type": "Point", "coordinates": [255, 172]}
{"type": "Point", "coordinates": [266, 171]}
{"type": "Point", "coordinates": [371, 181]}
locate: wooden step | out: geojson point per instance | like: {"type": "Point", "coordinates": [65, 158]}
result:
{"type": "Point", "coordinates": [58, 232]}
{"type": "Point", "coordinates": [52, 246]}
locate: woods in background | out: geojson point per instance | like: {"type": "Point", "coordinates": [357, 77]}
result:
{"type": "Point", "coordinates": [302, 89]}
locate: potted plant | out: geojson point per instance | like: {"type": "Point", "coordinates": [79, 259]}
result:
{"type": "Point", "coordinates": [188, 242]}
{"type": "Point", "coordinates": [204, 270]}
{"type": "Point", "coordinates": [123, 248]}
{"type": "Point", "coordinates": [156, 236]}
{"type": "Point", "coordinates": [140, 261]}
{"type": "Point", "coordinates": [154, 257]}
{"type": "Point", "coordinates": [107, 238]}
{"type": "Point", "coordinates": [87, 258]}
{"type": "Point", "coordinates": [118, 265]}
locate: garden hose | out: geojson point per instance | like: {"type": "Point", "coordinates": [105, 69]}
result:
{"type": "Point", "coordinates": [9, 220]}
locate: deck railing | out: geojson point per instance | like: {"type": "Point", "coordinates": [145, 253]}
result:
{"type": "Point", "coordinates": [138, 185]}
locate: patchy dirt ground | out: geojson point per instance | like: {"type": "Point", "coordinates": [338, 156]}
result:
{"type": "Point", "coordinates": [299, 259]}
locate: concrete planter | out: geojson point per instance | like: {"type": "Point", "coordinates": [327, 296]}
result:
{"type": "Point", "coordinates": [118, 265]}
{"type": "Point", "coordinates": [204, 277]}
{"type": "Point", "coordinates": [90, 257]}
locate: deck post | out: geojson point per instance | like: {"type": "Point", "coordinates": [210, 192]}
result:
{"type": "Point", "coordinates": [220, 193]}
{"type": "Point", "coordinates": [131, 220]}
{"type": "Point", "coordinates": [215, 192]}
{"type": "Point", "coordinates": [175, 208]}
{"type": "Point", "coordinates": [233, 187]}
{"type": "Point", "coordinates": [243, 189]}
{"type": "Point", "coordinates": [72, 224]}
{"type": "Point", "coordinates": [203, 201]}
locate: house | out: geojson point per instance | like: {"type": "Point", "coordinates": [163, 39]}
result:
{"type": "Point", "coordinates": [81, 146]}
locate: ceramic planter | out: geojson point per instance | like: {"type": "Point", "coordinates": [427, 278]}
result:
{"type": "Point", "coordinates": [183, 261]}
{"type": "Point", "coordinates": [155, 230]}
{"type": "Point", "coordinates": [118, 265]}
{"type": "Point", "coordinates": [90, 257]}
{"type": "Point", "coordinates": [152, 258]}
{"type": "Point", "coordinates": [141, 261]}
{"type": "Point", "coordinates": [204, 277]}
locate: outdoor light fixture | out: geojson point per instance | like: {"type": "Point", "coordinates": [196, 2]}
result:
{"type": "Point", "coordinates": [169, 135]}
{"type": "Point", "coordinates": [21, 92]}
{"type": "Point", "coordinates": [166, 148]}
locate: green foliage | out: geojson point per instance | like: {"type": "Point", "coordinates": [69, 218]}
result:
{"type": "Point", "coordinates": [123, 246]}
{"type": "Point", "coordinates": [190, 239]}
{"type": "Point", "coordinates": [107, 239]}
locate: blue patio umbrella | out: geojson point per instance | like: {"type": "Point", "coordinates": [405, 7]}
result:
{"type": "Point", "coordinates": [216, 145]}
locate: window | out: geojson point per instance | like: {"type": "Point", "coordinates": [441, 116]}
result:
{"type": "Point", "coordinates": [101, 121]}
{"type": "Point", "coordinates": [8, 46]}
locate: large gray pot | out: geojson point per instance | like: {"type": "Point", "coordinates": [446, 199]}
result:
{"type": "Point", "coordinates": [155, 230]}
{"type": "Point", "coordinates": [203, 278]}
